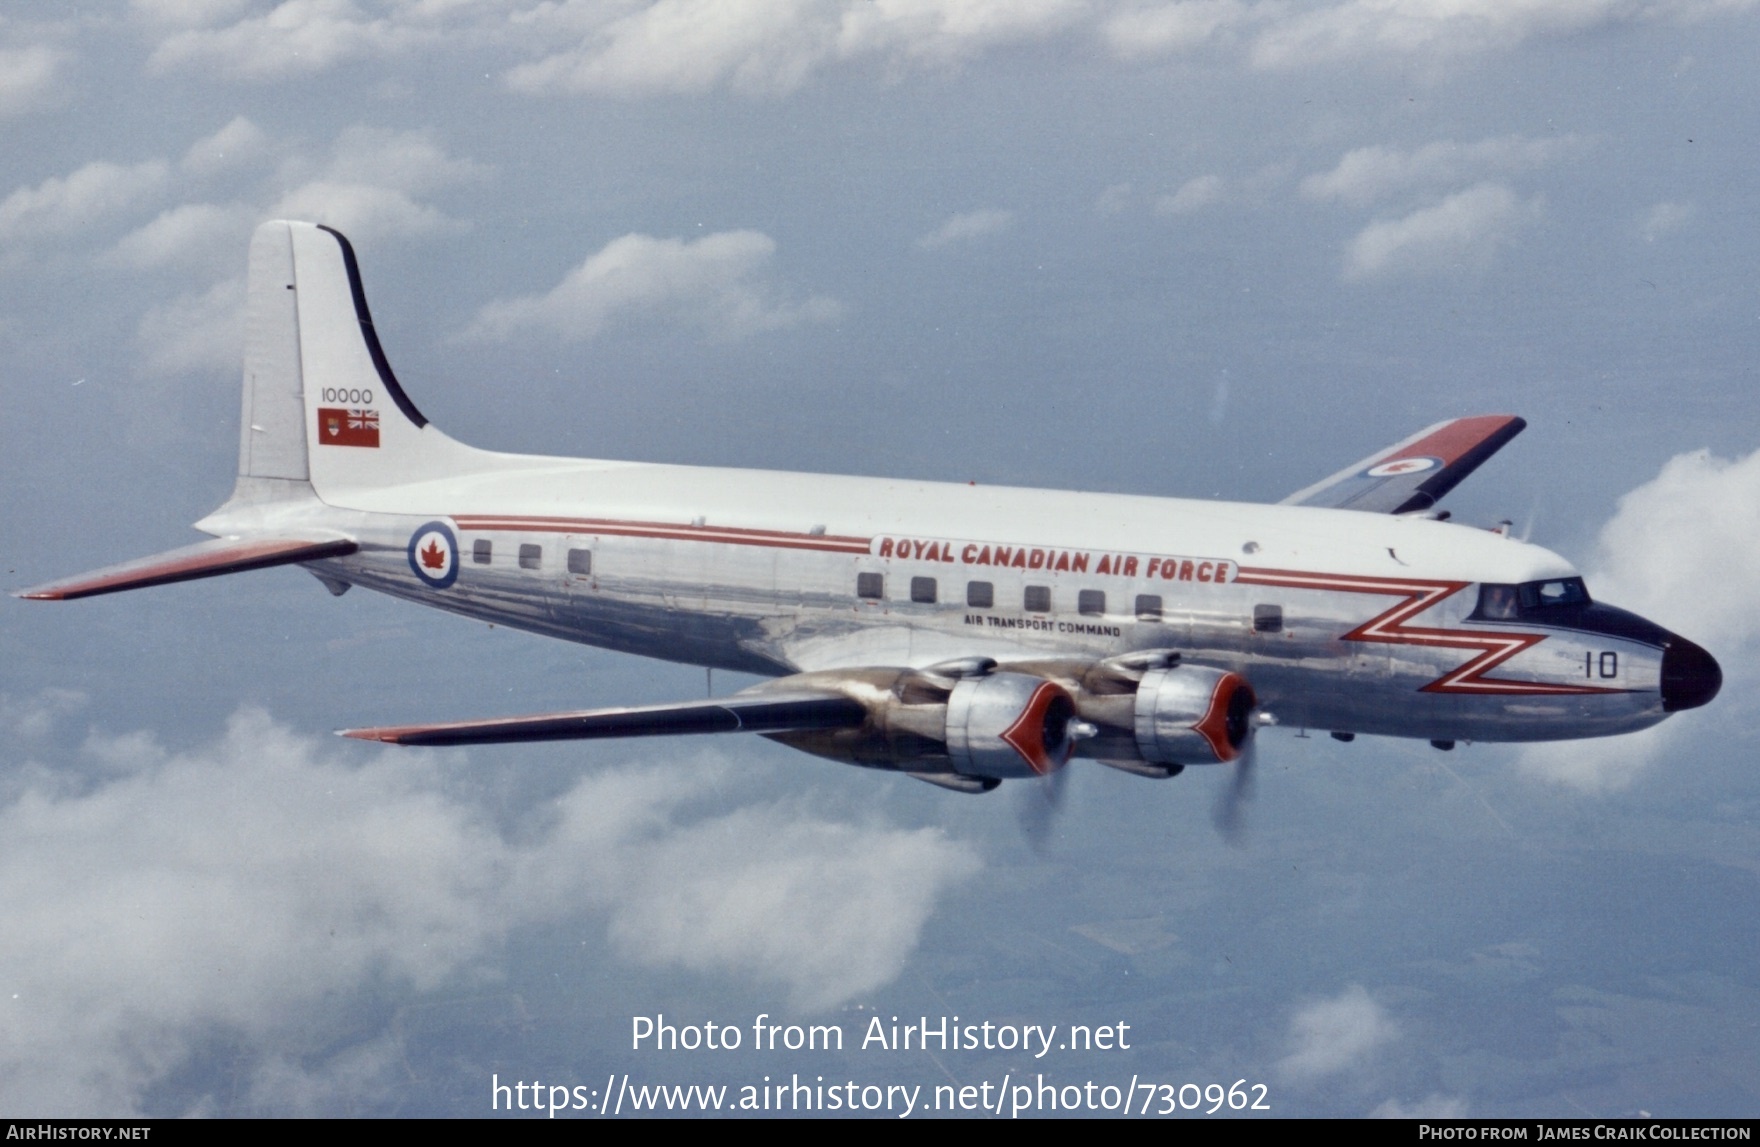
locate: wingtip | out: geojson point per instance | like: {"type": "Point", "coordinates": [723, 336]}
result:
{"type": "Point", "coordinates": [382, 735]}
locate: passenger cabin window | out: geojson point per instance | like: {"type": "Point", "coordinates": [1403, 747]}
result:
{"type": "Point", "coordinates": [1268, 619]}
{"type": "Point", "coordinates": [1533, 599]}
{"type": "Point", "coordinates": [531, 557]}
{"type": "Point", "coordinates": [1091, 602]}
{"type": "Point", "coordinates": [1037, 599]}
{"type": "Point", "coordinates": [923, 590]}
{"type": "Point", "coordinates": [1148, 607]}
{"type": "Point", "coordinates": [980, 594]}
{"type": "Point", "coordinates": [580, 562]}
{"type": "Point", "coordinates": [482, 550]}
{"type": "Point", "coordinates": [871, 586]}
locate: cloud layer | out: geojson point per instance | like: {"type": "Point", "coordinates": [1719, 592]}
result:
{"type": "Point", "coordinates": [774, 47]}
{"type": "Point", "coordinates": [249, 889]}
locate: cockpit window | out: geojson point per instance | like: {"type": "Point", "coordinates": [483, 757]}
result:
{"type": "Point", "coordinates": [1562, 591]}
{"type": "Point", "coordinates": [1496, 602]}
{"type": "Point", "coordinates": [1530, 599]}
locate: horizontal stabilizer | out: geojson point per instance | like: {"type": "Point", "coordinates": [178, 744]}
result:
{"type": "Point", "coordinates": [758, 713]}
{"type": "Point", "coordinates": [1416, 473]}
{"type": "Point", "coordinates": [205, 559]}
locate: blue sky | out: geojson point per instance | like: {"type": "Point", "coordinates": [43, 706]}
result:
{"type": "Point", "coordinates": [1205, 248]}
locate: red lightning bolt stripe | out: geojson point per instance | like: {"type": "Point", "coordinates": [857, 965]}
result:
{"type": "Point", "coordinates": [1389, 627]}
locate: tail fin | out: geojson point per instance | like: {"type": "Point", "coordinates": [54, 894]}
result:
{"type": "Point", "coordinates": [323, 421]}
{"type": "Point", "coordinates": [323, 411]}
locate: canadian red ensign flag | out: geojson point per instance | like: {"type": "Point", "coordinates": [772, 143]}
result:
{"type": "Point", "coordinates": [340, 427]}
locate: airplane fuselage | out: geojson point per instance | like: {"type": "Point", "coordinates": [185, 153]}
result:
{"type": "Point", "coordinates": [1341, 620]}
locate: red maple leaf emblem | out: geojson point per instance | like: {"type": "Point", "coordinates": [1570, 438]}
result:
{"type": "Point", "coordinates": [433, 556]}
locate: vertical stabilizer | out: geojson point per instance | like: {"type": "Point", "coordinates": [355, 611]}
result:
{"type": "Point", "coordinates": [362, 431]}
{"type": "Point", "coordinates": [272, 438]}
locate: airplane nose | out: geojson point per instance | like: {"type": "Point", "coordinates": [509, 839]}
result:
{"type": "Point", "coordinates": [1690, 676]}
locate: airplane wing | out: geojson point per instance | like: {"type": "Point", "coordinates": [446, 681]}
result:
{"type": "Point", "coordinates": [757, 713]}
{"type": "Point", "coordinates": [1413, 474]}
{"type": "Point", "coordinates": [204, 559]}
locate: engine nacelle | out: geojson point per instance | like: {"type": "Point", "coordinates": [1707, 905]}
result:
{"type": "Point", "coordinates": [1191, 715]}
{"type": "Point", "coordinates": [1009, 725]}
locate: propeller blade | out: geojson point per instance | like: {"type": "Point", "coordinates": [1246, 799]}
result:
{"type": "Point", "coordinates": [1230, 805]}
{"type": "Point", "coordinates": [1039, 806]}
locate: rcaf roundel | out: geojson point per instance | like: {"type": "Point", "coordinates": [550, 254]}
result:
{"type": "Point", "coordinates": [433, 555]}
{"type": "Point", "coordinates": [1415, 464]}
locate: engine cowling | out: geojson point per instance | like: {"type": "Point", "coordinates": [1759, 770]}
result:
{"type": "Point", "coordinates": [1009, 725]}
{"type": "Point", "coordinates": [1193, 715]}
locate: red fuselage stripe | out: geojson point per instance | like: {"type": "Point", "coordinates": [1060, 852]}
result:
{"type": "Point", "coordinates": [727, 535]}
{"type": "Point", "coordinates": [1419, 595]}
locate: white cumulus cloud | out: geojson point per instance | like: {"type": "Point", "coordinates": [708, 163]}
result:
{"type": "Point", "coordinates": [1161, 29]}
{"type": "Point", "coordinates": [1336, 1035]}
{"type": "Point", "coordinates": [203, 330]}
{"type": "Point", "coordinates": [1193, 195]}
{"type": "Point", "coordinates": [1665, 219]}
{"type": "Point", "coordinates": [70, 204]}
{"type": "Point", "coordinates": [692, 46]}
{"type": "Point", "coordinates": [370, 185]}
{"type": "Point", "coordinates": [1368, 174]}
{"type": "Point", "coordinates": [1465, 229]}
{"type": "Point", "coordinates": [1277, 35]}
{"type": "Point", "coordinates": [770, 47]}
{"type": "Point", "coordinates": [409, 161]}
{"type": "Point", "coordinates": [717, 283]}
{"type": "Point", "coordinates": [824, 910]}
{"type": "Point", "coordinates": [968, 226]}
{"type": "Point", "coordinates": [1448, 29]}
{"type": "Point", "coordinates": [363, 210]}
{"type": "Point", "coordinates": [197, 13]}
{"type": "Point", "coordinates": [31, 718]}
{"type": "Point", "coordinates": [240, 141]}
{"type": "Point", "coordinates": [295, 38]}
{"type": "Point", "coordinates": [1684, 551]}
{"type": "Point", "coordinates": [27, 77]}
{"type": "Point", "coordinates": [209, 235]}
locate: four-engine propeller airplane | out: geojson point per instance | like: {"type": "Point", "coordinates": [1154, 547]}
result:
{"type": "Point", "coordinates": [960, 634]}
